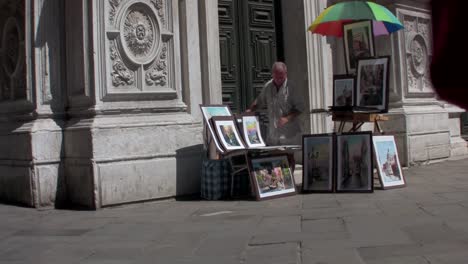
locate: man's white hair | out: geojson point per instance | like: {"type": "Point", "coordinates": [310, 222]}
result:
{"type": "Point", "coordinates": [280, 66]}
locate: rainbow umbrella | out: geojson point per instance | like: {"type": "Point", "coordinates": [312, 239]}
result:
{"type": "Point", "coordinates": [330, 22]}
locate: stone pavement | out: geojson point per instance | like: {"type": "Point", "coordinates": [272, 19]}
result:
{"type": "Point", "coordinates": [425, 222]}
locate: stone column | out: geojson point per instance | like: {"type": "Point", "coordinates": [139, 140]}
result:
{"type": "Point", "coordinates": [31, 102]}
{"type": "Point", "coordinates": [319, 69]}
{"type": "Point", "coordinates": [210, 53]}
{"type": "Point", "coordinates": [420, 123]}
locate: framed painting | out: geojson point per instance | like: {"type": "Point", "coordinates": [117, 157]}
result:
{"type": "Point", "coordinates": [388, 163]}
{"type": "Point", "coordinates": [343, 91]}
{"type": "Point", "coordinates": [317, 168]}
{"type": "Point", "coordinates": [227, 133]}
{"type": "Point", "coordinates": [358, 43]}
{"type": "Point", "coordinates": [354, 171]}
{"type": "Point", "coordinates": [372, 84]}
{"type": "Point", "coordinates": [251, 131]}
{"type": "Point", "coordinates": [208, 112]}
{"type": "Point", "coordinates": [272, 177]}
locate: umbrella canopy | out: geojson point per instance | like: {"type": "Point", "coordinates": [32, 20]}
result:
{"type": "Point", "coordinates": [330, 21]}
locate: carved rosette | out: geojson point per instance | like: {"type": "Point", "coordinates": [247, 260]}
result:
{"type": "Point", "coordinates": [138, 35]}
{"type": "Point", "coordinates": [12, 54]}
{"type": "Point", "coordinates": [418, 55]}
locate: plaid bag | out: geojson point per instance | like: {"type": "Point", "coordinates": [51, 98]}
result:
{"type": "Point", "coordinates": [216, 179]}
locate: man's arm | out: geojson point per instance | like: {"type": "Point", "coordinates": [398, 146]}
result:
{"type": "Point", "coordinates": [252, 106]}
{"type": "Point", "coordinates": [287, 118]}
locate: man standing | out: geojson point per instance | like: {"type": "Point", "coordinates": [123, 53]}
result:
{"type": "Point", "coordinates": [284, 104]}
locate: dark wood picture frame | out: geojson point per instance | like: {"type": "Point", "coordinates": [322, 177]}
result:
{"type": "Point", "coordinates": [227, 133]}
{"type": "Point", "coordinates": [387, 162]}
{"type": "Point", "coordinates": [208, 111]}
{"type": "Point", "coordinates": [344, 89]}
{"type": "Point", "coordinates": [358, 42]}
{"type": "Point", "coordinates": [271, 176]}
{"type": "Point", "coordinates": [354, 162]}
{"type": "Point", "coordinates": [372, 81]}
{"type": "Point", "coordinates": [318, 163]}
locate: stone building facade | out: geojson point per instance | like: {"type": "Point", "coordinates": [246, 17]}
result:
{"type": "Point", "coordinates": [99, 100]}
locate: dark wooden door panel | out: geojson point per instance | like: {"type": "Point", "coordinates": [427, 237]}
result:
{"type": "Point", "coordinates": [248, 46]}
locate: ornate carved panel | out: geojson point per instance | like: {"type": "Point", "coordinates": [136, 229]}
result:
{"type": "Point", "coordinates": [139, 50]}
{"type": "Point", "coordinates": [12, 51]}
{"type": "Point", "coordinates": [418, 52]}
{"type": "Point", "coordinates": [228, 55]}
{"type": "Point", "coordinates": [261, 16]}
{"type": "Point", "coordinates": [263, 48]}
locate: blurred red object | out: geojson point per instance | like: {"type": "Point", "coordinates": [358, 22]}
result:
{"type": "Point", "coordinates": [448, 69]}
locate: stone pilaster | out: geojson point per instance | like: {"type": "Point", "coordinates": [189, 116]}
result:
{"type": "Point", "coordinates": [319, 68]}
{"type": "Point", "coordinates": [424, 126]}
{"type": "Point", "coordinates": [129, 142]}
{"type": "Point", "coordinates": [210, 53]}
{"type": "Point", "coordinates": [31, 104]}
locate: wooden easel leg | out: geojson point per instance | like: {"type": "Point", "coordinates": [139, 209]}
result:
{"type": "Point", "coordinates": [341, 127]}
{"type": "Point", "coordinates": [378, 128]}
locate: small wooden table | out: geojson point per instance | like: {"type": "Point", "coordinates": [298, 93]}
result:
{"type": "Point", "coordinates": [358, 119]}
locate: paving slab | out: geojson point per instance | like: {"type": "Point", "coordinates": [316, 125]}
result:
{"type": "Point", "coordinates": [424, 222]}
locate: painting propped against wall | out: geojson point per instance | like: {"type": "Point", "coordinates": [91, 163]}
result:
{"type": "Point", "coordinates": [318, 158]}
{"type": "Point", "coordinates": [272, 177]}
{"type": "Point", "coordinates": [388, 163]}
{"type": "Point", "coordinates": [354, 172]}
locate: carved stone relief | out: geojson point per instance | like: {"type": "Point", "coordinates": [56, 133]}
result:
{"type": "Point", "coordinates": [418, 51]}
{"type": "Point", "coordinates": [139, 42]}
{"type": "Point", "coordinates": [12, 53]}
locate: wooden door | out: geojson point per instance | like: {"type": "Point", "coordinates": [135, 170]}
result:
{"type": "Point", "coordinates": [250, 41]}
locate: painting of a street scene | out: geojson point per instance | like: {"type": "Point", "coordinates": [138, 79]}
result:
{"type": "Point", "coordinates": [372, 78]}
{"type": "Point", "coordinates": [343, 92]}
{"type": "Point", "coordinates": [251, 129]}
{"type": "Point", "coordinates": [371, 85]}
{"type": "Point", "coordinates": [390, 174]}
{"type": "Point", "coordinates": [317, 171]}
{"type": "Point", "coordinates": [354, 161]}
{"type": "Point", "coordinates": [272, 176]}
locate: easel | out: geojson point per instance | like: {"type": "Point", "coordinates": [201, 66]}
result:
{"type": "Point", "coordinates": [358, 119]}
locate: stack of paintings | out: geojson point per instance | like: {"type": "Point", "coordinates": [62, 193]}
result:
{"type": "Point", "coordinates": [344, 162]}
{"type": "Point", "coordinates": [365, 86]}
{"type": "Point", "coordinates": [337, 162]}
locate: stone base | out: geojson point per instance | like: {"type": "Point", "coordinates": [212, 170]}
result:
{"type": "Point", "coordinates": [119, 160]}
{"type": "Point", "coordinates": [422, 133]}
{"type": "Point", "coordinates": [30, 163]}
